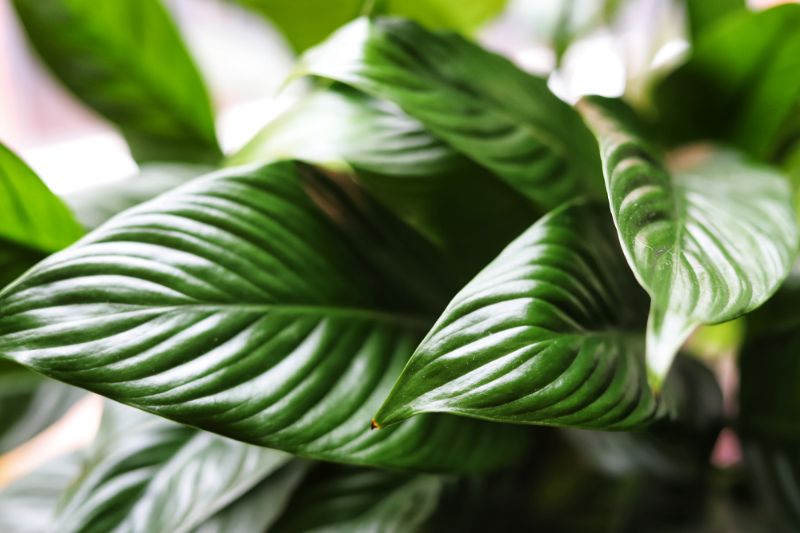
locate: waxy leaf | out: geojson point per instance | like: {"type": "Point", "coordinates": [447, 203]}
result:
{"type": "Point", "coordinates": [508, 120]}
{"type": "Point", "coordinates": [271, 305]}
{"type": "Point", "coordinates": [709, 243]}
{"type": "Point", "coordinates": [466, 211]}
{"type": "Point", "coordinates": [126, 60]}
{"type": "Point", "coordinates": [340, 498]}
{"type": "Point", "coordinates": [549, 333]}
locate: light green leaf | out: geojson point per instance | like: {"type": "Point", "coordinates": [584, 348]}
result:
{"type": "Point", "coordinates": [28, 504]}
{"type": "Point", "coordinates": [460, 206]}
{"type": "Point", "coordinates": [146, 474]}
{"type": "Point", "coordinates": [272, 305]}
{"type": "Point", "coordinates": [32, 219]}
{"type": "Point", "coordinates": [126, 60]}
{"type": "Point", "coordinates": [703, 14]}
{"type": "Point", "coordinates": [549, 333]}
{"type": "Point", "coordinates": [29, 404]}
{"type": "Point", "coordinates": [305, 23]}
{"type": "Point", "coordinates": [709, 243]}
{"type": "Point", "coordinates": [338, 498]}
{"type": "Point", "coordinates": [476, 101]}
{"type": "Point", "coordinates": [262, 506]}
{"type": "Point", "coordinates": [447, 14]}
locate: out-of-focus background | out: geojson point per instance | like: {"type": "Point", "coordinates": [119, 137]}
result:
{"type": "Point", "coordinates": [607, 47]}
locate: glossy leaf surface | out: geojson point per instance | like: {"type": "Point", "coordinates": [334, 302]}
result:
{"type": "Point", "coordinates": [508, 122]}
{"type": "Point", "coordinates": [709, 243]}
{"type": "Point", "coordinates": [269, 305]}
{"type": "Point", "coordinates": [147, 474]}
{"type": "Point", "coordinates": [460, 206]}
{"type": "Point", "coordinates": [549, 333]}
{"type": "Point", "coordinates": [125, 59]}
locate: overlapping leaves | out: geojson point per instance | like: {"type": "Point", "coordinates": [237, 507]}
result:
{"type": "Point", "coordinates": [508, 121]}
{"type": "Point", "coordinates": [710, 243]}
{"type": "Point", "coordinates": [266, 305]}
{"type": "Point", "coordinates": [548, 333]}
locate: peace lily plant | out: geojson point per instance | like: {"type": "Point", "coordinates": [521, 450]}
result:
{"type": "Point", "coordinates": [430, 295]}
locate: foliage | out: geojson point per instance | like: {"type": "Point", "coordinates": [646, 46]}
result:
{"type": "Point", "coordinates": [429, 295]}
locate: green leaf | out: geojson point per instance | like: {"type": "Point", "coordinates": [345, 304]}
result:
{"type": "Point", "coordinates": [32, 219]}
{"type": "Point", "coordinates": [548, 333]}
{"type": "Point", "coordinates": [28, 504]}
{"type": "Point", "coordinates": [126, 60]}
{"type": "Point", "coordinates": [305, 23]}
{"type": "Point", "coordinates": [708, 244]}
{"type": "Point", "coordinates": [338, 498]}
{"type": "Point", "coordinates": [476, 101]}
{"type": "Point", "coordinates": [741, 84]}
{"type": "Point", "coordinates": [703, 14]}
{"type": "Point", "coordinates": [147, 474]}
{"type": "Point", "coordinates": [460, 206]}
{"type": "Point", "coordinates": [272, 305]}
{"type": "Point", "coordinates": [447, 14]}
{"type": "Point", "coordinates": [260, 508]}
{"type": "Point", "coordinates": [29, 404]}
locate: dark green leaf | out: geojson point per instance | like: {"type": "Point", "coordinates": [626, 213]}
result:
{"type": "Point", "coordinates": [710, 243]}
{"type": "Point", "coordinates": [478, 102]}
{"type": "Point", "coordinates": [770, 408]}
{"type": "Point", "coordinates": [267, 305]}
{"type": "Point", "coordinates": [740, 85]}
{"type": "Point", "coordinates": [339, 498]}
{"type": "Point", "coordinates": [469, 213]}
{"type": "Point", "coordinates": [126, 60]}
{"type": "Point", "coordinates": [549, 333]}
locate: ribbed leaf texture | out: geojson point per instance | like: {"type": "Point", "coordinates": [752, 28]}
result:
{"type": "Point", "coordinates": [508, 121]}
{"type": "Point", "coordinates": [126, 60]}
{"type": "Point", "coordinates": [271, 305]}
{"type": "Point", "coordinates": [551, 332]}
{"type": "Point", "coordinates": [710, 243]}
{"type": "Point", "coordinates": [460, 206]}
{"type": "Point", "coordinates": [147, 474]}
